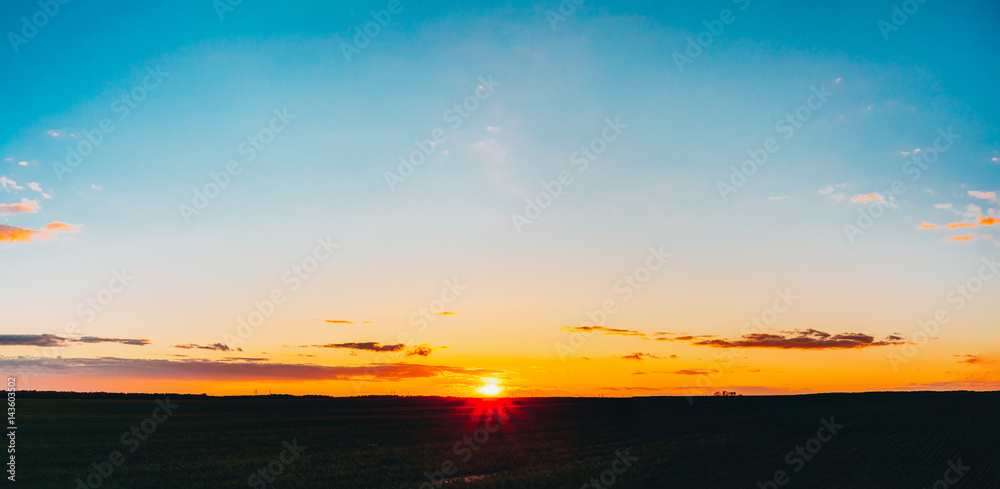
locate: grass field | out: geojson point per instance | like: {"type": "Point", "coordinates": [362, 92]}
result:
{"type": "Point", "coordinates": [888, 440]}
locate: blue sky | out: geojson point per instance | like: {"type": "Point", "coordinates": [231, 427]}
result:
{"type": "Point", "coordinates": [348, 123]}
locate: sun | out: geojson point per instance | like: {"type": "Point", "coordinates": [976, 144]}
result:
{"type": "Point", "coordinates": [489, 390]}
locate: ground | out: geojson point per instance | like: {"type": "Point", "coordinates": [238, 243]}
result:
{"type": "Point", "coordinates": [878, 440]}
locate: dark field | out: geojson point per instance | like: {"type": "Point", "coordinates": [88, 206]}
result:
{"type": "Point", "coordinates": [888, 440]}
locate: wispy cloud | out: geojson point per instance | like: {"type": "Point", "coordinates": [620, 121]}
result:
{"type": "Point", "coordinates": [6, 182]}
{"type": "Point", "coordinates": [201, 369]}
{"type": "Point", "coordinates": [51, 340]}
{"type": "Point", "coordinates": [639, 356]}
{"type": "Point", "coordinates": [809, 339]}
{"type": "Point", "coordinates": [29, 206]}
{"type": "Point", "coordinates": [981, 221]}
{"type": "Point", "coordinates": [603, 330]}
{"type": "Point", "coordinates": [365, 346]}
{"type": "Point", "coordinates": [15, 234]}
{"type": "Point", "coordinates": [38, 188]}
{"type": "Point", "coordinates": [972, 237]}
{"type": "Point", "coordinates": [213, 346]}
{"type": "Point", "coordinates": [979, 194]}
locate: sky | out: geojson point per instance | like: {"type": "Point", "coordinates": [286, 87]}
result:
{"type": "Point", "coordinates": [557, 199]}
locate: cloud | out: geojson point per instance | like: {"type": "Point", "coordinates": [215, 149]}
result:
{"type": "Point", "coordinates": [983, 195]}
{"type": "Point", "coordinates": [603, 330]}
{"type": "Point", "coordinates": [55, 133]}
{"type": "Point", "coordinates": [951, 385]}
{"type": "Point", "coordinates": [942, 206]}
{"type": "Point", "coordinates": [213, 346]}
{"type": "Point", "coordinates": [968, 359]}
{"type": "Point", "coordinates": [445, 313]}
{"type": "Point", "coordinates": [874, 197]}
{"type": "Point", "coordinates": [686, 337]}
{"type": "Point", "coordinates": [203, 369]}
{"type": "Point", "coordinates": [95, 187]}
{"type": "Point", "coordinates": [339, 321]}
{"type": "Point", "coordinates": [51, 340]}
{"type": "Point", "coordinates": [31, 340]}
{"type": "Point", "coordinates": [970, 238]}
{"type": "Point", "coordinates": [689, 371]}
{"type": "Point", "coordinates": [639, 356]}
{"type": "Point", "coordinates": [629, 389]}
{"type": "Point", "coordinates": [38, 188]}
{"type": "Point", "coordinates": [830, 191]}
{"type": "Point", "coordinates": [809, 339]}
{"type": "Point", "coordinates": [981, 221]}
{"type": "Point", "coordinates": [30, 206]}
{"type": "Point", "coordinates": [5, 182]}
{"type": "Point", "coordinates": [366, 346]}
{"type": "Point", "coordinates": [778, 197]}
{"type": "Point", "coordinates": [14, 234]}
{"type": "Point", "coordinates": [422, 350]}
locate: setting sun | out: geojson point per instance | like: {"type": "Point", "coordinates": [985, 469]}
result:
{"type": "Point", "coordinates": [489, 390]}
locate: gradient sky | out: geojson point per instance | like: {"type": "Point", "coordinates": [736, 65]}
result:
{"type": "Point", "coordinates": [524, 292]}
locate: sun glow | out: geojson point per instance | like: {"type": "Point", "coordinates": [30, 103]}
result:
{"type": "Point", "coordinates": [489, 390]}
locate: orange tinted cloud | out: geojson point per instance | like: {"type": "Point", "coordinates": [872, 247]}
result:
{"type": "Point", "coordinates": [446, 313]}
{"type": "Point", "coordinates": [865, 198]}
{"type": "Point", "coordinates": [982, 221]}
{"type": "Point", "coordinates": [366, 345]}
{"type": "Point", "coordinates": [639, 356]}
{"type": "Point", "coordinates": [970, 238]}
{"type": "Point", "coordinates": [422, 350]}
{"type": "Point", "coordinates": [213, 346]}
{"type": "Point", "coordinates": [603, 330]}
{"type": "Point", "coordinates": [983, 195]}
{"type": "Point", "coordinates": [25, 206]}
{"type": "Point", "coordinates": [202, 369]}
{"type": "Point", "coordinates": [14, 234]}
{"type": "Point", "coordinates": [339, 321]}
{"type": "Point", "coordinates": [809, 339]}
